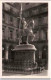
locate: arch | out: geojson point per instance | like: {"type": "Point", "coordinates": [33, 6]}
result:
{"type": "Point", "coordinates": [45, 55]}
{"type": "Point", "coordinates": [37, 53]}
{"type": "Point", "coordinates": [45, 52]}
{"type": "Point", "coordinates": [10, 55]}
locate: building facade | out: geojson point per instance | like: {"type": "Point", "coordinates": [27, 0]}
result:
{"type": "Point", "coordinates": [40, 15]}
{"type": "Point", "coordinates": [10, 28]}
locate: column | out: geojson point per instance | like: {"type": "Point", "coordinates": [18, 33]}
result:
{"type": "Point", "coordinates": [6, 53]}
{"type": "Point", "coordinates": [34, 56]}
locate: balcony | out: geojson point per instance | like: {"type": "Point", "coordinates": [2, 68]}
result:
{"type": "Point", "coordinates": [10, 12]}
{"type": "Point", "coordinates": [43, 9]}
{"type": "Point", "coordinates": [5, 39]}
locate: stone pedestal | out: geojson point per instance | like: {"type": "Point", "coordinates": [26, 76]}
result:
{"type": "Point", "coordinates": [24, 56]}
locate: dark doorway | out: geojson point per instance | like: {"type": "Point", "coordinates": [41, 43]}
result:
{"type": "Point", "coordinates": [45, 52]}
{"type": "Point", "coordinates": [11, 54]}
{"type": "Point", "coordinates": [45, 56]}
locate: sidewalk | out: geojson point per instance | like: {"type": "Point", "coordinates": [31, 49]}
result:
{"type": "Point", "coordinates": [43, 73]}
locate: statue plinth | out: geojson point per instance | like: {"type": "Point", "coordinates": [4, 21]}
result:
{"type": "Point", "coordinates": [24, 56]}
{"type": "Point", "coordinates": [23, 60]}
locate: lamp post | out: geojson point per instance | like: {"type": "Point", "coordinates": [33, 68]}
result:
{"type": "Point", "coordinates": [20, 22]}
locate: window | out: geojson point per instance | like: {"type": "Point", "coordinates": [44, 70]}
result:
{"type": "Point", "coordinates": [40, 20]}
{"type": "Point", "coordinates": [11, 9]}
{"type": "Point", "coordinates": [15, 21]}
{"type": "Point", "coordinates": [11, 19]}
{"type": "Point", "coordinates": [3, 16]}
{"type": "Point", "coordinates": [34, 11]}
{"type": "Point", "coordinates": [43, 35]}
{"type": "Point", "coordinates": [17, 34]}
{"type": "Point", "coordinates": [36, 22]}
{"type": "Point", "coordinates": [3, 34]}
{"type": "Point", "coordinates": [11, 34]}
{"type": "Point", "coordinates": [45, 19]}
{"type": "Point", "coordinates": [26, 13]}
{"type": "Point", "coordinates": [44, 8]}
{"type": "Point", "coordinates": [36, 37]}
